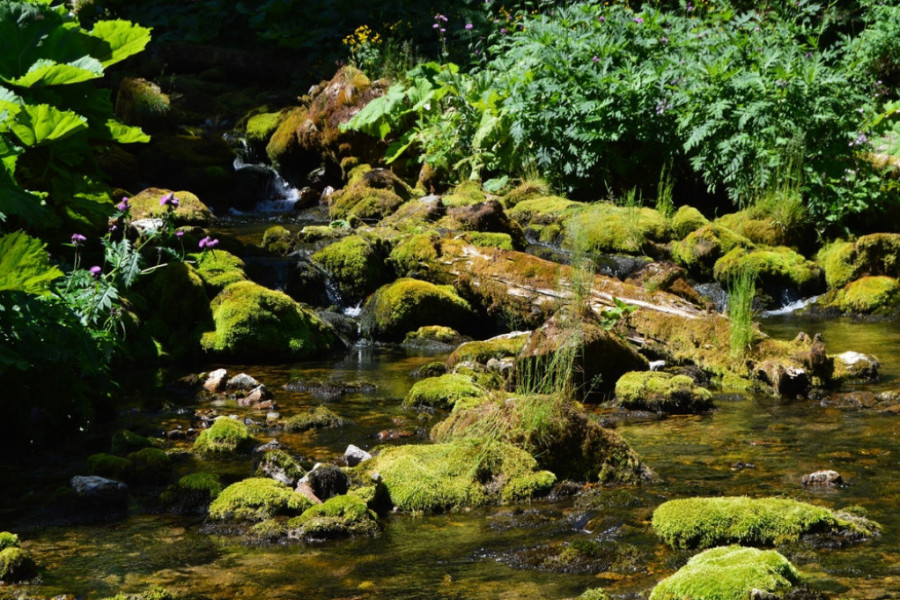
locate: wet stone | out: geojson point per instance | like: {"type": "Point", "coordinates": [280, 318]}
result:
{"type": "Point", "coordinates": [215, 381]}
{"type": "Point", "coordinates": [822, 479]}
{"type": "Point", "coordinates": [242, 382]}
{"type": "Point", "coordinates": [354, 455]}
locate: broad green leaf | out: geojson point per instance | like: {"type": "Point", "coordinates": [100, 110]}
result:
{"type": "Point", "coordinates": [49, 72]}
{"type": "Point", "coordinates": [125, 134]}
{"type": "Point", "coordinates": [25, 265]}
{"type": "Point", "coordinates": [43, 123]}
{"type": "Point", "coordinates": [117, 40]}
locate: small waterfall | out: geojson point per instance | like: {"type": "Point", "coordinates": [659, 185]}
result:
{"type": "Point", "coordinates": [790, 307]}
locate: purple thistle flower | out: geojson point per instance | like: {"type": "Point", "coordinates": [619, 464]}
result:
{"type": "Point", "coordinates": [503, 30]}
{"type": "Point", "coordinates": [435, 26]}
{"type": "Point", "coordinates": [638, 20]}
{"type": "Point", "coordinates": [443, 30]}
{"type": "Point", "coordinates": [169, 199]}
{"type": "Point", "coordinates": [602, 19]}
{"type": "Point", "coordinates": [663, 40]}
{"type": "Point", "coordinates": [469, 26]}
{"type": "Point", "coordinates": [123, 205]}
{"type": "Point", "coordinates": [596, 59]}
{"type": "Point", "coordinates": [209, 242]}
{"type": "Point", "coordinates": [179, 234]}
{"type": "Point", "coordinates": [78, 239]}
{"type": "Point", "coordinates": [96, 271]}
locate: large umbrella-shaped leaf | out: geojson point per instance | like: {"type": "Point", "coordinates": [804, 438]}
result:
{"type": "Point", "coordinates": [36, 125]}
{"type": "Point", "coordinates": [25, 265]}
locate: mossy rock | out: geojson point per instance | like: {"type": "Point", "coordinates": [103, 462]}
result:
{"type": "Point", "coordinates": [178, 332]}
{"type": "Point", "coordinates": [356, 264]}
{"type": "Point", "coordinates": [729, 573]}
{"type": "Point", "coordinates": [707, 522]}
{"type": "Point", "coordinates": [838, 261]}
{"type": "Point", "coordinates": [490, 239]}
{"type": "Point", "coordinates": [876, 295]}
{"type": "Point", "coordinates": [318, 233]}
{"type": "Point", "coordinates": [320, 417]}
{"type": "Point", "coordinates": [8, 540]}
{"type": "Point", "coordinates": [414, 254]}
{"type": "Point", "coordinates": [440, 477]}
{"type": "Point", "coordinates": [259, 128]}
{"type": "Point", "coordinates": [606, 228]}
{"type": "Point", "coordinates": [407, 304]}
{"type": "Point", "coordinates": [280, 466]}
{"type": "Point", "coordinates": [284, 150]}
{"type": "Point", "coordinates": [257, 499]}
{"type": "Point", "coordinates": [108, 465]}
{"type": "Point", "coordinates": [254, 323]}
{"type": "Point", "coordinates": [125, 442]}
{"type": "Point", "coordinates": [544, 210]}
{"type": "Point", "coordinates": [278, 240]}
{"type": "Point", "coordinates": [16, 564]}
{"type": "Point", "coordinates": [776, 269]}
{"type": "Point", "coordinates": [466, 193]}
{"type": "Point", "coordinates": [142, 103]}
{"type": "Point", "coordinates": [339, 516]}
{"type": "Point", "coordinates": [502, 346]}
{"type": "Point", "coordinates": [699, 251]}
{"type": "Point", "coordinates": [153, 592]}
{"type": "Point", "coordinates": [150, 465]}
{"type": "Point", "coordinates": [593, 594]}
{"type": "Point", "coordinates": [759, 230]}
{"type": "Point", "coordinates": [190, 211]}
{"type": "Point", "coordinates": [661, 392]}
{"type": "Point", "coordinates": [439, 334]}
{"type": "Point", "coordinates": [433, 369]}
{"type": "Point", "coordinates": [873, 254]}
{"type": "Point", "coordinates": [218, 269]}
{"type": "Point", "coordinates": [225, 437]}
{"type": "Point", "coordinates": [563, 437]}
{"type": "Point", "coordinates": [526, 190]}
{"type": "Point", "coordinates": [685, 220]}
{"type": "Point", "coordinates": [373, 196]}
{"type": "Point", "coordinates": [192, 493]}
{"type": "Point", "coordinates": [442, 392]}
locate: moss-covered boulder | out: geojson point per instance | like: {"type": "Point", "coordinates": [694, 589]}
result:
{"type": "Point", "coordinates": [759, 229]}
{"type": "Point", "coordinates": [280, 466]}
{"type": "Point", "coordinates": [685, 220]}
{"type": "Point", "coordinates": [225, 437]}
{"type": "Point", "coordinates": [467, 193]}
{"type": "Point", "coordinates": [871, 255]}
{"type": "Point", "coordinates": [407, 304]}
{"type": "Point", "coordinates": [192, 493]}
{"type": "Point", "coordinates": [356, 264]}
{"type": "Point", "coordinates": [606, 228]}
{"type": "Point", "coordinates": [707, 522]}
{"type": "Point", "coordinates": [256, 499]}
{"type": "Point", "coordinates": [259, 128]}
{"type": "Point", "coordinates": [440, 477]}
{"type": "Point", "coordinates": [190, 211]}
{"type": "Point", "coordinates": [562, 436]}
{"type": "Point", "coordinates": [527, 190]}
{"type": "Point", "coordinates": [661, 392]}
{"type": "Point", "coordinates": [507, 345]}
{"type": "Point", "coordinates": [371, 197]}
{"type": "Point", "coordinates": [16, 564]}
{"type": "Point", "coordinates": [125, 441]}
{"type": "Point", "coordinates": [730, 573]}
{"type": "Point", "coordinates": [443, 392]}
{"type": "Point", "coordinates": [877, 295]}
{"type": "Point", "coordinates": [435, 338]}
{"type": "Point", "coordinates": [777, 270]}
{"type": "Point", "coordinates": [320, 417]}
{"type": "Point", "coordinates": [150, 465]}
{"type": "Point", "coordinates": [544, 210]}
{"type": "Point", "coordinates": [339, 516]}
{"type": "Point", "coordinates": [8, 540]}
{"type": "Point", "coordinates": [838, 261]}
{"type": "Point", "coordinates": [142, 103]}
{"type": "Point", "coordinates": [414, 254]}
{"type": "Point", "coordinates": [699, 251]}
{"type": "Point", "coordinates": [489, 239]}
{"type": "Point", "coordinates": [254, 323]}
{"type": "Point", "coordinates": [483, 218]}
{"type": "Point", "coordinates": [218, 269]}
{"type": "Point", "coordinates": [278, 240]}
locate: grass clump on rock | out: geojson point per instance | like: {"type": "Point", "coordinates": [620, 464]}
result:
{"type": "Point", "coordinates": [443, 391]}
{"type": "Point", "coordinates": [407, 304]}
{"type": "Point", "coordinates": [339, 516]}
{"type": "Point", "coordinates": [661, 392]}
{"type": "Point", "coordinates": [707, 522]}
{"type": "Point", "coordinates": [226, 436]}
{"type": "Point", "coordinates": [257, 499]}
{"type": "Point", "coordinates": [729, 573]}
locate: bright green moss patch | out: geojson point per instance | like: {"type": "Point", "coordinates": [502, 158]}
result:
{"type": "Point", "coordinates": [433, 333]}
{"type": "Point", "coordinates": [466, 193]}
{"type": "Point", "coordinates": [16, 564]}
{"type": "Point", "coordinates": [108, 465]}
{"type": "Point", "coordinates": [661, 392]}
{"type": "Point", "coordinates": [190, 211]}
{"type": "Point", "coordinates": [256, 499]}
{"type": "Point", "coordinates": [261, 127]}
{"type": "Point", "coordinates": [774, 267]}
{"type": "Point", "coordinates": [686, 220]}
{"type": "Point", "coordinates": [867, 295]}
{"type": "Point", "coordinates": [442, 392]}
{"type": "Point", "coordinates": [280, 466]}
{"type": "Point", "coordinates": [278, 240]}
{"type": "Point", "coordinates": [707, 522]}
{"type": "Point", "coordinates": [438, 477]}
{"type": "Point", "coordinates": [504, 346]}
{"type": "Point", "coordinates": [207, 484]}
{"type": "Point", "coordinates": [414, 253]}
{"type": "Point", "coordinates": [729, 573]}
{"type": "Point", "coordinates": [218, 269]}
{"type": "Point", "coordinates": [700, 250]}
{"type": "Point", "coordinates": [408, 304]}
{"type": "Point", "coordinates": [604, 227]}
{"type": "Point", "coordinates": [526, 191]}
{"type": "Point", "coordinates": [255, 324]}
{"type": "Point", "coordinates": [226, 436]}
{"type": "Point", "coordinates": [319, 417]}
{"type": "Point", "coordinates": [489, 239]}
{"type": "Point", "coordinates": [838, 261]}
{"type": "Point", "coordinates": [544, 210]}
{"type": "Point", "coordinates": [193, 492]}
{"type": "Point", "coordinates": [337, 517]}
{"type": "Point", "coordinates": [8, 540]}
{"type": "Point", "coordinates": [364, 202]}
{"type": "Point", "coordinates": [356, 265]}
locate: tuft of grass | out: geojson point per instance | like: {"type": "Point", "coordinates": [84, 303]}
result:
{"type": "Point", "coordinates": [664, 204]}
{"type": "Point", "coordinates": [741, 291]}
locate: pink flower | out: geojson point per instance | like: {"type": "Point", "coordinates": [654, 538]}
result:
{"type": "Point", "coordinates": [123, 205]}
{"type": "Point", "coordinates": [96, 271]}
{"type": "Point", "coordinates": [78, 239]}
{"type": "Point", "coordinates": [208, 243]}
{"type": "Point", "coordinates": [169, 199]}
{"type": "Point", "coordinates": [469, 26]}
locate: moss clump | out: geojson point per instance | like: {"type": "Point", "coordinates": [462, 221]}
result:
{"type": "Point", "coordinates": [316, 233]}
{"type": "Point", "coordinates": [593, 594]}
{"type": "Point", "coordinates": [190, 211]}
{"type": "Point", "coordinates": [283, 144]}
{"type": "Point", "coordinates": [278, 240]}
{"type": "Point", "coordinates": [226, 436]}
{"type": "Point", "coordinates": [414, 254]}
{"type": "Point", "coordinates": [16, 564]}
{"type": "Point", "coordinates": [150, 465]}
{"type": "Point", "coordinates": [259, 128]}
{"type": "Point", "coordinates": [867, 295]}
{"type": "Point", "coordinates": [218, 269]}
{"type": "Point", "coordinates": [8, 540]}
{"type": "Point", "coordinates": [108, 465]}
{"type": "Point", "coordinates": [369, 198]}
{"type": "Point", "coordinates": [432, 369]}
{"type": "Point", "coordinates": [604, 227]}
{"type": "Point", "coordinates": [700, 250]}
{"type": "Point", "coordinates": [408, 304]}
{"type": "Point", "coordinates": [280, 466]}
{"type": "Point", "coordinates": [544, 210]}
{"type": "Point", "coordinates": [433, 333]}
{"type": "Point", "coordinates": [526, 191]}
{"type": "Point", "coordinates": [256, 499]}
{"type": "Point", "coordinates": [125, 442]}
{"type": "Point", "coordinates": [141, 102]}
{"type": "Point", "coordinates": [192, 493]}
{"type": "Point", "coordinates": [356, 265]}
{"type": "Point", "coordinates": [503, 346]}
{"type": "Point", "coordinates": [661, 392]}
{"type": "Point", "coordinates": [207, 484]}
{"type": "Point", "coordinates": [729, 573]}
{"type": "Point", "coordinates": [177, 331]}
{"type": "Point", "coordinates": [319, 417]}
{"type": "Point", "coordinates": [254, 323]}
{"type": "Point", "coordinates": [707, 522]}
{"type": "Point", "coordinates": [442, 392]}
{"type": "Point", "coordinates": [489, 239]}
{"type": "Point", "coordinates": [775, 268]}
{"type": "Point", "coordinates": [466, 193]}
{"type": "Point", "coordinates": [686, 220]}
{"type": "Point", "coordinates": [838, 261]}
{"type": "Point", "coordinates": [438, 477]}
{"type": "Point", "coordinates": [338, 516]}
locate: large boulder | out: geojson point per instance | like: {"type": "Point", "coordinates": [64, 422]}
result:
{"type": "Point", "coordinates": [661, 392]}
{"type": "Point", "coordinates": [780, 272]}
{"type": "Point", "coordinates": [700, 249]}
{"type": "Point", "coordinates": [407, 304]}
{"type": "Point", "coordinates": [256, 499]}
{"type": "Point", "coordinates": [606, 228]}
{"type": "Point", "coordinates": [356, 264]}
{"type": "Point", "coordinates": [340, 516]}
{"type": "Point", "coordinates": [443, 392]}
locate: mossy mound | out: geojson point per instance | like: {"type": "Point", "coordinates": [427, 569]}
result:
{"type": "Point", "coordinates": [606, 228]}
{"type": "Point", "coordinates": [259, 128]}
{"type": "Point", "coordinates": [433, 335]}
{"type": "Point", "coordinates": [874, 254]}
{"type": "Point", "coordinates": [466, 193]}
{"type": "Point", "coordinates": [407, 304]}
{"type": "Point", "coordinates": [526, 190]}
{"type": "Point", "coordinates": [192, 493]}
{"type": "Point", "coordinates": [150, 465]}
{"type": "Point", "coordinates": [224, 437]}
{"type": "Point", "coordinates": [319, 417]}
{"type": "Point", "coordinates": [190, 211]}
{"type": "Point", "coordinates": [876, 295]}
{"type": "Point", "coordinates": [442, 392]}
{"type": "Point", "coordinates": [776, 269]}
{"type": "Point", "coordinates": [318, 233]}
{"type": "Point", "coordinates": [757, 229]}
{"type": "Point", "coordinates": [563, 437]}
{"type": "Point", "coordinates": [283, 148]}
{"type": "Point", "coordinates": [699, 251]}
{"type": "Point", "coordinates": [356, 264]}
{"type": "Point", "coordinates": [440, 477]}
{"type": "Point", "coordinates": [502, 346]}
{"type": "Point", "coordinates": [125, 441]}
{"type": "Point", "coordinates": [371, 196]}
{"type": "Point", "coordinates": [339, 516]}
{"type": "Point", "coordinates": [142, 103]}
{"type": "Point", "coordinates": [838, 261]}
{"type": "Point", "coordinates": [278, 240]}
{"type": "Point", "coordinates": [661, 392]}
{"type": "Point", "coordinates": [707, 522]}
{"type": "Point", "coordinates": [490, 239]}
{"type": "Point", "coordinates": [280, 466]}
{"type": "Point", "coordinates": [729, 573]}
{"type": "Point", "coordinates": [8, 540]}
{"type": "Point", "coordinates": [685, 220]}
{"type": "Point", "coordinates": [256, 499]}
{"type": "Point", "coordinates": [218, 269]}
{"type": "Point", "coordinates": [544, 210]}
{"type": "Point", "coordinates": [177, 332]}
{"type": "Point", "coordinates": [16, 564]}
{"type": "Point", "coordinates": [414, 254]}
{"type": "Point", "coordinates": [254, 323]}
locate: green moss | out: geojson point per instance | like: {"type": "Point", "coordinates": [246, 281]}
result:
{"type": "Point", "coordinates": [192, 492]}
{"type": "Point", "coordinates": [526, 191]}
{"type": "Point", "coordinates": [190, 211]}
{"type": "Point", "coordinates": [838, 260]}
{"type": "Point", "coordinates": [593, 594]}
{"type": "Point", "coordinates": [757, 228]}
{"type": "Point", "coordinates": [356, 265]}
{"type": "Point", "coordinates": [16, 564]}
{"type": "Point", "coordinates": [604, 227]}
{"type": "Point", "coordinates": [207, 483]}
{"type": "Point", "coordinates": [256, 499]}
{"type": "Point", "coordinates": [226, 436]}
{"type": "Point", "coordinates": [774, 267]}
{"type": "Point", "coordinates": [466, 193]}
{"type": "Point", "coordinates": [867, 295]}
{"type": "Point", "coordinates": [142, 103]}
{"type": "Point", "coordinates": [218, 269]}
{"type": "Point", "coordinates": [178, 331]}
{"type": "Point", "coordinates": [488, 239]}
{"type": "Point", "coordinates": [432, 369]}
{"type": "Point", "coordinates": [261, 127]}
{"type": "Point", "coordinates": [151, 593]}
{"type": "Point", "coordinates": [150, 465]}
{"type": "Point", "coordinates": [437, 477]}
{"type": "Point", "coordinates": [879, 254]}
{"type": "Point", "coordinates": [661, 392]}
{"type": "Point", "coordinates": [280, 466]}
{"type": "Point", "coordinates": [729, 573]}
{"type": "Point", "coordinates": [442, 392]}
{"type": "Point", "coordinates": [255, 324]}
{"type": "Point", "coordinates": [408, 304]}
{"type": "Point", "coordinates": [700, 250]}
{"type": "Point", "coordinates": [433, 333]}
{"type": "Point", "coordinates": [283, 142]}
{"type": "Point", "coordinates": [544, 210]}
{"type": "Point", "coordinates": [338, 516]}
{"type": "Point", "coordinates": [319, 417]}
{"type": "Point", "coordinates": [108, 465]}
{"type": "Point", "coordinates": [365, 202]}
{"type": "Point", "coordinates": [8, 540]}
{"type": "Point", "coordinates": [707, 522]}
{"type": "Point", "coordinates": [316, 233]}
{"type": "Point", "coordinates": [125, 441]}
{"type": "Point", "coordinates": [414, 253]}
{"type": "Point", "coordinates": [278, 240]}
{"type": "Point", "coordinates": [686, 220]}
{"type": "Point", "coordinates": [504, 346]}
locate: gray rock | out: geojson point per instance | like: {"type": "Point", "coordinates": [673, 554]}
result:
{"type": "Point", "coordinates": [242, 381]}
{"type": "Point", "coordinates": [99, 488]}
{"type": "Point", "coordinates": [354, 455]}
{"type": "Point", "coordinates": [215, 381]}
{"type": "Point", "coordinates": [822, 479]}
